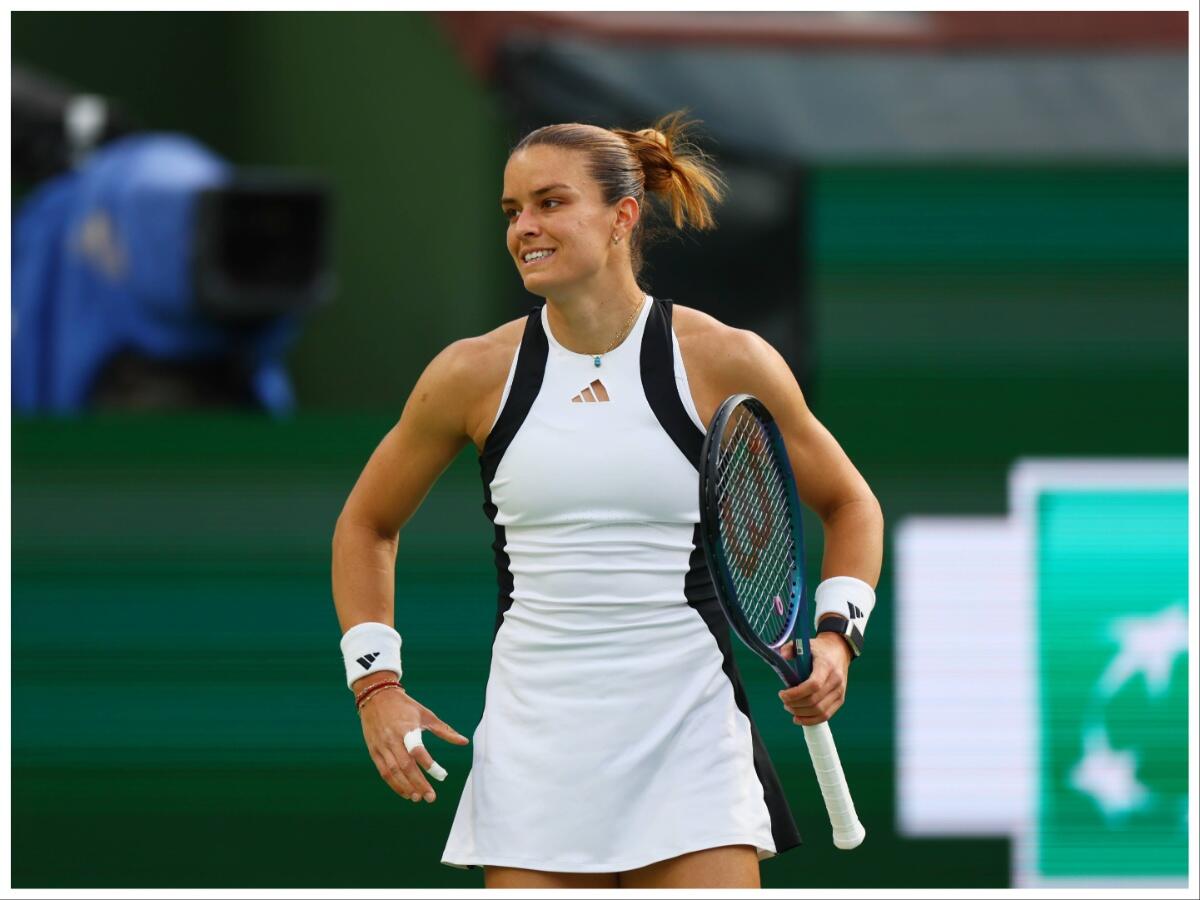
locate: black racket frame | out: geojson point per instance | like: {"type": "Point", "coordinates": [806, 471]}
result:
{"type": "Point", "coordinates": [792, 673]}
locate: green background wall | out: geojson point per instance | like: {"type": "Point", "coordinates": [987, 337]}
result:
{"type": "Point", "coordinates": [179, 718]}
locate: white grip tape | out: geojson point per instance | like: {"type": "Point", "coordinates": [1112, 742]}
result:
{"type": "Point", "coordinates": [849, 597]}
{"type": "Point", "coordinates": [413, 739]}
{"type": "Point", "coordinates": [848, 832]}
{"type": "Point", "coordinates": [370, 647]}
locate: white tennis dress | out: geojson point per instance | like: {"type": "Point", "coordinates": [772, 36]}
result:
{"type": "Point", "coordinates": [615, 731]}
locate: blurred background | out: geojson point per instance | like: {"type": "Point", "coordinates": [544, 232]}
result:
{"type": "Point", "coordinates": [238, 238]}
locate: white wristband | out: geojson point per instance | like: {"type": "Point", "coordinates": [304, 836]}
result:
{"type": "Point", "coordinates": [370, 647]}
{"type": "Point", "coordinates": [849, 597]}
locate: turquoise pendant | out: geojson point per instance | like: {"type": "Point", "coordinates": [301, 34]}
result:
{"type": "Point", "coordinates": [596, 360]}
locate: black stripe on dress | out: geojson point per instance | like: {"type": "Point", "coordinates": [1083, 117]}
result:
{"type": "Point", "coordinates": [698, 589]}
{"type": "Point", "coordinates": [526, 384]}
{"type": "Point", "coordinates": [658, 381]}
{"type": "Point", "coordinates": [662, 393]}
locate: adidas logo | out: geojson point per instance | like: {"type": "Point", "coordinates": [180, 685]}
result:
{"type": "Point", "coordinates": [855, 612]}
{"type": "Point", "coordinates": [365, 661]}
{"type": "Point", "coordinates": [595, 392]}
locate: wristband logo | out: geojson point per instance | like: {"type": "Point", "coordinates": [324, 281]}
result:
{"type": "Point", "coordinates": [366, 660]}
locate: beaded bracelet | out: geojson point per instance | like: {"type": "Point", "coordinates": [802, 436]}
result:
{"type": "Point", "coordinates": [370, 688]}
{"type": "Point", "coordinates": [367, 700]}
{"type": "Point", "coordinates": [363, 696]}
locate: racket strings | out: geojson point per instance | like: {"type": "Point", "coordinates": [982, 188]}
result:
{"type": "Point", "coordinates": [755, 527]}
{"type": "Point", "coordinates": [762, 568]}
{"type": "Point", "coordinates": [756, 521]}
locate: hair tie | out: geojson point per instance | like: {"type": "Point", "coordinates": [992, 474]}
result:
{"type": "Point", "coordinates": [653, 134]}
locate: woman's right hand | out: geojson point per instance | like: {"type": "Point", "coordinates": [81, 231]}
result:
{"type": "Point", "coordinates": [387, 717]}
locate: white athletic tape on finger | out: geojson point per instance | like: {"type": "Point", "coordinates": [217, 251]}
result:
{"type": "Point", "coordinates": [413, 739]}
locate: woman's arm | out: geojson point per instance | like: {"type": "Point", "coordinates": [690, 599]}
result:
{"type": "Point", "coordinates": [828, 483]}
{"type": "Point", "coordinates": [431, 431]}
{"type": "Point", "coordinates": [826, 479]}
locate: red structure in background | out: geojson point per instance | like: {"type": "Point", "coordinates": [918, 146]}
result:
{"type": "Point", "coordinates": [478, 34]}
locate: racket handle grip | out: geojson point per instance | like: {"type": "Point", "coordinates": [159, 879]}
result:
{"type": "Point", "coordinates": [848, 832]}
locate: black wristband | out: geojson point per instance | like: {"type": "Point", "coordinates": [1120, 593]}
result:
{"type": "Point", "coordinates": [841, 625]}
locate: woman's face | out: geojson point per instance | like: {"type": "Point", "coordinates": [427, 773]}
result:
{"type": "Point", "coordinates": [555, 212]}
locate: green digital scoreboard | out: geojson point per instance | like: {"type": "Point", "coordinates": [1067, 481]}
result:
{"type": "Point", "coordinates": [1112, 568]}
{"type": "Point", "coordinates": [1043, 661]}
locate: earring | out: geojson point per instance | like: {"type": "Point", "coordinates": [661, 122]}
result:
{"type": "Point", "coordinates": [616, 239]}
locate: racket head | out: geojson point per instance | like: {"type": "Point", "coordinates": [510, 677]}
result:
{"type": "Point", "coordinates": [752, 533]}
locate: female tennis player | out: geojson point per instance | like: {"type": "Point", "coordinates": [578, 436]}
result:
{"type": "Point", "coordinates": [616, 746]}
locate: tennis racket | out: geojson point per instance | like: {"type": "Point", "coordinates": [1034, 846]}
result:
{"type": "Point", "coordinates": [750, 522]}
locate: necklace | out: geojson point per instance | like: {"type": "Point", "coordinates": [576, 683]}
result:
{"type": "Point", "coordinates": [620, 334]}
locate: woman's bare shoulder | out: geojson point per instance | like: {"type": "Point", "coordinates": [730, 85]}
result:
{"type": "Point", "coordinates": [490, 354]}
{"type": "Point", "coordinates": [706, 336]}
{"type": "Point", "coordinates": [481, 365]}
{"type": "Point", "coordinates": [719, 359]}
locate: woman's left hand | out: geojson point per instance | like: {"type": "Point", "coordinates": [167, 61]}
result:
{"type": "Point", "coordinates": [816, 699]}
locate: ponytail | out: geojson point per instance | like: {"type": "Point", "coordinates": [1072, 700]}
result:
{"type": "Point", "coordinates": [677, 170]}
